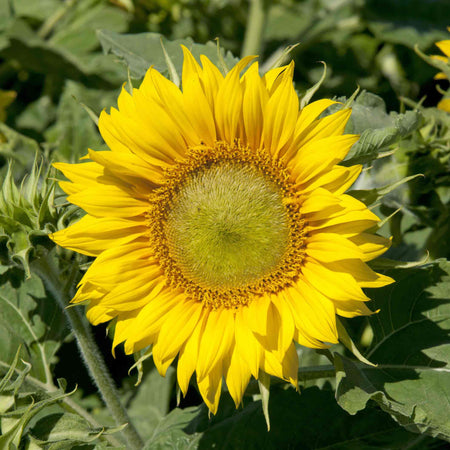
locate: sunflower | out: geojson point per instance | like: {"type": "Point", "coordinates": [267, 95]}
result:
{"type": "Point", "coordinates": [220, 226]}
{"type": "Point", "coordinates": [444, 47]}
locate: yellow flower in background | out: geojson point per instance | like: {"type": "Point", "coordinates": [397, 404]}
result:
{"type": "Point", "coordinates": [444, 104]}
{"type": "Point", "coordinates": [444, 47]}
{"type": "Point", "coordinates": [220, 226]}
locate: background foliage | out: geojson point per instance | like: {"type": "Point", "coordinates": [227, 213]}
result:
{"type": "Point", "coordinates": [62, 62]}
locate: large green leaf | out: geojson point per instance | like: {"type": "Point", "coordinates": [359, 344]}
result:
{"type": "Point", "coordinates": [74, 132]}
{"type": "Point", "coordinates": [76, 32]}
{"type": "Point", "coordinates": [17, 147]}
{"type": "Point", "coordinates": [408, 22]}
{"type": "Point", "coordinates": [151, 402]}
{"type": "Point", "coordinates": [34, 54]}
{"type": "Point", "coordinates": [35, 10]}
{"type": "Point", "coordinates": [30, 319]}
{"type": "Point", "coordinates": [412, 349]}
{"type": "Point", "coordinates": [310, 420]}
{"type": "Point", "coordinates": [379, 130]}
{"type": "Point", "coordinates": [140, 51]}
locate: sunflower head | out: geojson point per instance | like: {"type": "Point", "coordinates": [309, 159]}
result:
{"type": "Point", "coordinates": [220, 225]}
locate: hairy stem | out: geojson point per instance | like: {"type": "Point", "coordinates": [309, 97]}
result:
{"type": "Point", "coordinates": [255, 28]}
{"type": "Point", "coordinates": [89, 350]}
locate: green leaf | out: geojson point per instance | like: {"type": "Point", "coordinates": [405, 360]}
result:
{"type": "Point", "coordinates": [18, 147]}
{"type": "Point", "coordinates": [76, 32]}
{"type": "Point", "coordinates": [151, 402]}
{"type": "Point", "coordinates": [378, 130]}
{"type": "Point", "coordinates": [37, 55]}
{"type": "Point", "coordinates": [412, 349]}
{"type": "Point", "coordinates": [37, 115]}
{"type": "Point", "coordinates": [169, 433]}
{"type": "Point", "coordinates": [74, 132]}
{"type": "Point", "coordinates": [27, 317]}
{"type": "Point", "coordinates": [371, 196]}
{"type": "Point", "coordinates": [376, 142]}
{"type": "Point", "coordinates": [35, 10]}
{"type": "Point", "coordinates": [25, 407]}
{"type": "Point", "coordinates": [66, 429]}
{"type": "Point", "coordinates": [140, 51]}
{"type": "Point", "coordinates": [310, 420]}
{"type": "Point", "coordinates": [368, 111]}
{"type": "Point", "coordinates": [408, 22]}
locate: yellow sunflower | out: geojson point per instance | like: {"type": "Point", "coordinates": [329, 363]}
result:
{"type": "Point", "coordinates": [220, 227]}
{"type": "Point", "coordinates": [444, 46]}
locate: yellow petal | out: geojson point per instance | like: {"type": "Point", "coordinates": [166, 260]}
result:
{"type": "Point", "coordinates": [246, 344]}
{"type": "Point", "coordinates": [135, 292]}
{"type": "Point", "coordinates": [237, 376]}
{"type": "Point", "coordinates": [228, 105]}
{"type": "Point", "coordinates": [116, 264]}
{"type": "Point", "coordinates": [335, 285]}
{"type": "Point", "coordinates": [329, 247]}
{"type": "Point", "coordinates": [187, 359]}
{"type": "Point", "coordinates": [314, 314]}
{"type": "Point", "coordinates": [158, 88]}
{"type": "Point", "coordinates": [178, 325]}
{"type": "Point", "coordinates": [332, 125]}
{"type": "Point", "coordinates": [361, 272]}
{"type": "Point", "coordinates": [371, 245]}
{"type": "Point", "coordinates": [211, 79]}
{"type": "Point", "coordinates": [285, 328]}
{"type": "Point", "coordinates": [91, 235]}
{"type": "Point", "coordinates": [272, 76]}
{"type": "Point", "coordinates": [97, 314]}
{"type": "Point", "coordinates": [210, 388]}
{"type": "Point", "coordinates": [444, 104]}
{"type": "Point", "coordinates": [107, 200]}
{"type": "Point", "coordinates": [255, 314]}
{"type": "Point", "coordinates": [337, 180]}
{"type": "Point", "coordinates": [151, 318]}
{"type": "Point", "coordinates": [122, 326]}
{"type": "Point", "coordinates": [319, 156]}
{"type": "Point", "coordinates": [195, 101]}
{"type": "Point", "coordinates": [82, 175]}
{"type": "Point", "coordinates": [352, 308]}
{"type": "Point", "coordinates": [129, 167]}
{"type": "Point", "coordinates": [310, 113]}
{"type": "Point", "coordinates": [444, 46]}
{"type": "Point", "coordinates": [279, 123]}
{"type": "Point", "coordinates": [290, 365]}
{"type": "Point", "coordinates": [217, 339]}
{"type": "Point", "coordinates": [253, 106]}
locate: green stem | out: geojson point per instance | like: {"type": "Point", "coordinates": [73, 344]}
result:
{"type": "Point", "coordinates": [255, 28]}
{"type": "Point", "coordinates": [50, 23]}
{"type": "Point", "coordinates": [316, 372]}
{"type": "Point", "coordinates": [67, 403]}
{"type": "Point", "coordinates": [89, 350]}
{"type": "Point", "coordinates": [304, 374]}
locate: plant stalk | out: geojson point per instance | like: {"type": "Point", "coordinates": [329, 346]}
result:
{"type": "Point", "coordinates": [45, 269]}
{"type": "Point", "coordinates": [255, 28]}
{"type": "Point", "coordinates": [50, 23]}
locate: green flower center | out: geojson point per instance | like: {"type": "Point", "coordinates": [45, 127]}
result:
{"type": "Point", "coordinates": [227, 226]}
